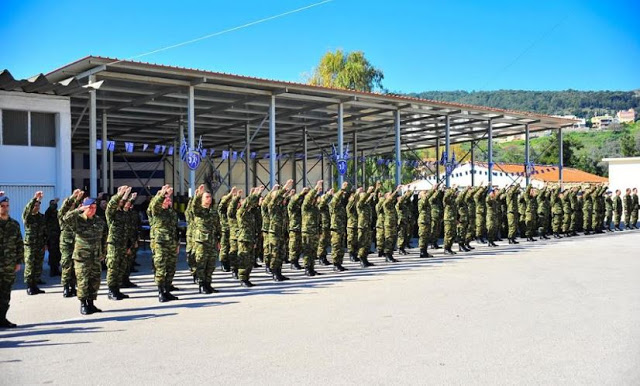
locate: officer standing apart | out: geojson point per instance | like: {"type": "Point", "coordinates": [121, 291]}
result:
{"type": "Point", "coordinates": [52, 227]}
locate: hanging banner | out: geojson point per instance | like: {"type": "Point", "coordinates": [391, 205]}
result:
{"type": "Point", "coordinates": [193, 159]}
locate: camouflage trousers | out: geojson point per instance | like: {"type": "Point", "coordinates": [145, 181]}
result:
{"type": "Point", "coordinates": [352, 240]}
{"type": "Point", "coordinates": [33, 260]}
{"type": "Point", "coordinates": [627, 218]}
{"type": "Point", "coordinates": [608, 220]}
{"type": "Point", "coordinates": [543, 225]}
{"type": "Point", "coordinates": [471, 229]}
{"type": "Point", "coordinates": [424, 234]}
{"type": "Point", "coordinates": [53, 246]}
{"type": "Point", "coordinates": [165, 259]}
{"type": "Point", "coordinates": [512, 220]}
{"type": "Point", "coordinates": [380, 238]}
{"type": "Point", "coordinates": [481, 224]}
{"type": "Point", "coordinates": [191, 256]}
{"type": "Point", "coordinates": [586, 221]}
{"type": "Point", "coordinates": [295, 245]}
{"type": "Point", "coordinates": [6, 283]}
{"type": "Point", "coordinates": [245, 259]}
{"type": "Point", "coordinates": [88, 274]}
{"type": "Point", "coordinates": [130, 257]}
{"type": "Point", "coordinates": [116, 264]}
{"type": "Point", "coordinates": [233, 249]}
{"type": "Point", "coordinates": [634, 217]}
{"type": "Point", "coordinates": [449, 233]}
{"type": "Point", "coordinates": [530, 223]}
{"type": "Point", "coordinates": [309, 248]}
{"type": "Point", "coordinates": [205, 256]}
{"type": "Point", "coordinates": [436, 225]}
{"type": "Point", "coordinates": [364, 242]}
{"type": "Point", "coordinates": [224, 245]}
{"type": "Point", "coordinates": [573, 224]}
{"type": "Point", "coordinates": [66, 262]}
{"type": "Point", "coordinates": [616, 220]}
{"type": "Point", "coordinates": [390, 238]}
{"type": "Point", "coordinates": [324, 241]}
{"type": "Point", "coordinates": [403, 234]}
{"type": "Point", "coordinates": [337, 247]}
{"type": "Point", "coordinates": [556, 223]}
{"type": "Point", "coordinates": [566, 223]}
{"type": "Point", "coordinates": [266, 252]}
{"type": "Point", "coordinates": [277, 250]}
{"type": "Point", "coordinates": [461, 231]}
{"type": "Point", "coordinates": [492, 229]}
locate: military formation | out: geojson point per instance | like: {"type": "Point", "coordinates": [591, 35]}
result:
{"type": "Point", "coordinates": [282, 226]}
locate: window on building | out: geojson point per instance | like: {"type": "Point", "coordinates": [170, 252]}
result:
{"type": "Point", "coordinates": [43, 129]}
{"type": "Point", "coordinates": [15, 128]}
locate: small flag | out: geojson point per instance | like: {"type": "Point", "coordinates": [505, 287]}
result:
{"type": "Point", "coordinates": [156, 150]}
{"type": "Point", "coordinates": [145, 146]}
{"type": "Point", "coordinates": [111, 145]}
{"type": "Point", "coordinates": [163, 148]}
{"type": "Point", "coordinates": [253, 155]}
{"type": "Point", "coordinates": [203, 152]}
{"type": "Point", "coordinates": [225, 154]}
{"type": "Point", "coordinates": [99, 144]}
{"type": "Point", "coordinates": [234, 155]}
{"type": "Point", "coordinates": [170, 150]}
{"type": "Point", "coordinates": [128, 147]}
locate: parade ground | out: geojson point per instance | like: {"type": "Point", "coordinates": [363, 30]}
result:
{"type": "Point", "coordinates": [552, 312]}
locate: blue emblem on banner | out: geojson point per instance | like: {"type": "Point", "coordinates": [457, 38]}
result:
{"type": "Point", "coordinates": [342, 165]}
{"type": "Point", "coordinates": [193, 159]}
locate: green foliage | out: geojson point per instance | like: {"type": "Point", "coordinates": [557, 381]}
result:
{"type": "Point", "coordinates": [347, 70]}
{"type": "Point", "coordinates": [584, 104]}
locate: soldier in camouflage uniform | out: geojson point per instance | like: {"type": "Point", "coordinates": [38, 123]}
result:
{"type": "Point", "coordinates": [363, 205]}
{"type": "Point", "coordinates": [557, 212]}
{"type": "Point", "coordinates": [11, 256]}
{"type": "Point", "coordinates": [380, 225]}
{"type": "Point", "coordinates": [264, 212]}
{"type": "Point", "coordinates": [635, 207]}
{"type": "Point", "coordinates": [117, 221]}
{"type": "Point", "coordinates": [403, 210]}
{"type": "Point", "coordinates": [503, 221]}
{"type": "Point", "coordinates": [436, 216]}
{"type": "Point", "coordinates": [463, 219]}
{"type": "Point", "coordinates": [522, 212]}
{"type": "Point", "coordinates": [133, 235]}
{"type": "Point", "coordinates": [324, 241]}
{"type": "Point", "coordinates": [450, 219]}
{"type": "Point", "coordinates": [587, 208]}
{"type": "Point", "coordinates": [471, 228]}
{"type": "Point", "coordinates": [628, 208]}
{"type": "Point", "coordinates": [352, 227]}
{"type": "Point", "coordinates": [567, 211]}
{"type": "Point", "coordinates": [597, 217]}
{"type": "Point", "coordinates": [310, 228]}
{"type": "Point", "coordinates": [492, 205]}
{"type": "Point", "coordinates": [578, 212]}
{"type": "Point", "coordinates": [530, 213]}
{"type": "Point", "coordinates": [191, 259]}
{"type": "Point", "coordinates": [225, 242]}
{"type": "Point", "coordinates": [390, 224]}
{"type": "Point", "coordinates": [608, 202]}
{"type": "Point", "coordinates": [205, 235]}
{"type": "Point", "coordinates": [247, 235]}
{"type": "Point", "coordinates": [511, 197]}
{"type": "Point", "coordinates": [34, 244]}
{"type": "Point", "coordinates": [295, 232]}
{"type": "Point", "coordinates": [232, 210]}
{"type": "Point", "coordinates": [617, 211]}
{"type": "Point", "coordinates": [88, 252]}
{"type": "Point", "coordinates": [164, 227]}
{"type": "Point", "coordinates": [480, 198]}
{"type": "Point", "coordinates": [277, 229]}
{"type": "Point", "coordinates": [543, 211]}
{"type": "Point", "coordinates": [52, 227]}
{"type": "Point", "coordinates": [67, 242]}
{"type": "Point", "coordinates": [337, 208]}
{"type": "Point", "coordinates": [424, 221]}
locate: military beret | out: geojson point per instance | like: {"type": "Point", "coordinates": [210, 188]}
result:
{"type": "Point", "coordinates": [3, 199]}
{"type": "Point", "coordinates": [609, 192]}
{"type": "Point", "coordinates": [88, 201]}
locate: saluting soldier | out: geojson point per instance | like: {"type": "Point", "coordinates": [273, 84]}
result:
{"type": "Point", "coordinates": [67, 241]}
{"type": "Point", "coordinates": [117, 222]}
{"type": "Point", "coordinates": [277, 229]}
{"type": "Point", "coordinates": [232, 210]}
{"type": "Point", "coordinates": [390, 224]}
{"type": "Point", "coordinates": [424, 221]}
{"type": "Point", "coordinates": [492, 220]}
{"type": "Point", "coordinates": [324, 241]}
{"type": "Point", "coordinates": [205, 236]}
{"type": "Point", "coordinates": [363, 206]}
{"type": "Point", "coordinates": [34, 244]}
{"type": "Point", "coordinates": [617, 211]}
{"type": "Point", "coordinates": [264, 213]}
{"type": "Point", "coordinates": [165, 229]}
{"type": "Point", "coordinates": [294, 210]}
{"type": "Point", "coordinates": [463, 219]}
{"type": "Point", "coordinates": [380, 225]}
{"type": "Point", "coordinates": [635, 206]}
{"type": "Point", "coordinates": [450, 218]}
{"type": "Point", "coordinates": [403, 210]}
{"type": "Point", "coordinates": [512, 194]}
{"type": "Point", "coordinates": [225, 242]}
{"type": "Point", "coordinates": [247, 235]}
{"type": "Point", "coordinates": [310, 228]}
{"type": "Point", "coordinates": [557, 211]}
{"type": "Point", "coordinates": [352, 226]}
{"type": "Point", "coordinates": [480, 198]}
{"type": "Point", "coordinates": [436, 216]}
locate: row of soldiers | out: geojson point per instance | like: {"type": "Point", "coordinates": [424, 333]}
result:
{"type": "Point", "coordinates": [285, 225]}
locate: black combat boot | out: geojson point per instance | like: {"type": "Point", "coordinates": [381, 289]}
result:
{"type": "Point", "coordinates": [92, 306]}
{"type": "Point", "coordinates": [423, 253]}
{"type": "Point", "coordinates": [324, 261]}
{"type": "Point", "coordinates": [278, 276]}
{"type": "Point", "coordinates": [364, 263]}
{"type": "Point", "coordinates": [4, 323]}
{"type": "Point", "coordinates": [380, 253]}
{"type": "Point", "coordinates": [435, 245]}
{"type": "Point", "coordinates": [492, 244]}
{"type": "Point", "coordinates": [246, 283]}
{"type": "Point", "coordinates": [469, 247]}
{"type": "Point", "coordinates": [256, 265]}
{"type": "Point", "coordinates": [162, 297]}
{"type": "Point", "coordinates": [74, 292]}
{"type": "Point", "coordinates": [169, 295]}
{"type": "Point", "coordinates": [389, 258]}
{"type": "Point", "coordinates": [226, 267]}
{"type": "Point", "coordinates": [113, 294]}
{"type": "Point", "coordinates": [66, 291]}
{"type": "Point", "coordinates": [128, 284]}
{"type": "Point", "coordinates": [267, 269]}
{"type": "Point", "coordinates": [463, 248]}
{"type": "Point", "coordinates": [209, 287]}
{"type": "Point", "coordinates": [234, 272]}
{"type": "Point", "coordinates": [448, 251]}
{"type": "Point", "coordinates": [84, 308]}
{"type": "Point", "coordinates": [34, 290]}
{"type": "Point", "coordinates": [202, 288]}
{"type": "Point", "coordinates": [354, 257]}
{"type": "Point", "coordinates": [338, 268]}
{"type": "Point", "coordinates": [308, 271]}
{"type": "Point", "coordinates": [403, 251]}
{"type": "Point", "coordinates": [295, 265]}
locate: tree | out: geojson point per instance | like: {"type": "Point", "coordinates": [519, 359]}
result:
{"type": "Point", "coordinates": [347, 70]}
{"type": "Point", "coordinates": [628, 146]}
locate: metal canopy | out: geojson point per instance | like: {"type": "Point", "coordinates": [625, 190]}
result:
{"type": "Point", "coordinates": [148, 102]}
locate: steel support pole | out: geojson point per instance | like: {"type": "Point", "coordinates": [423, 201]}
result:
{"type": "Point", "coordinates": [490, 153]}
{"type": "Point", "coordinates": [93, 137]}
{"type": "Point", "coordinates": [398, 154]}
{"type": "Point", "coordinates": [340, 140]}
{"type": "Point", "coordinates": [229, 166]}
{"type": "Point", "coordinates": [560, 156]}
{"type": "Point", "coordinates": [364, 168]}
{"type": "Point", "coordinates": [174, 165]}
{"type": "Point", "coordinates": [355, 159]}
{"type": "Point", "coordinates": [438, 156]}
{"type": "Point", "coordinates": [180, 163]}
{"type": "Point", "coordinates": [105, 179]}
{"type": "Point", "coordinates": [473, 163]}
{"type": "Point", "coordinates": [111, 190]}
{"type": "Point", "coordinates": [324, 182]}
{"type": "Point", "coordinates": [305, 149]}
{"type": "Point", "coordinates": [272, 141]}
{"type": "Point", "coordinates": [294, 171]}
{"type": "Point", "coordinates": [526, 154]}
{"type": "Point", "coordinates": [191, 124]}
{"type": "Point", "coordinates": [447, 149]}
{"type": "Point", "coordinates": [279, 164]}
{"type": "Point", "coordinates": [247, 151]}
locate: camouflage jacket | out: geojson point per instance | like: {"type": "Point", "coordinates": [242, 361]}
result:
{"type": "Point", "coordinates": [205, 226]}
{"type": "Point", "coordinates": [338, 211]}
{"type": "Point", "coordinates": [222, 211]}
{"type": "Point", "coordinates": [91, 235]}
{"type": "Point", "coordinates": [34, 226]}
{"type": "Point", "coordinates": [245, 219]}
{"type": "Point", "coordinates": [118, 222]}
{"type": "Point", "coordinates": [165, 222]}
{"type": "Point", "coordinates": [277, 212]}
{"type": "Point", "coordinates": [232, 220]}
{"type": "Point", "coordinates": [325, 214]}
{"type": "Point", "coordinates": [294, 211]}
{"type": "Point", "coordinates": [11, 247]}
{"type": "Point", "coordinates": [66, 233]}
{"type": "Point", "coordinates": [363, 206]}
{"type": "Point", "coordinates": [52, 226]}
{"type": "Point", "coordinates": [310, 213]}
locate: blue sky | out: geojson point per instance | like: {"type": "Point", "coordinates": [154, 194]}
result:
{"type": "Point", "coordinates": [419, 45]}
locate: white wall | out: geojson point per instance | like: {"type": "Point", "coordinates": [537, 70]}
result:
{"type": "Point", "coordinates": [461, 176]}
{"type": "Point", "coordinates": [624, 173]}
{"type": "Point", "coordinates": [39, 166]}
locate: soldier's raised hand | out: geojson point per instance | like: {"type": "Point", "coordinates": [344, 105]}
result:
{"type": "Point", "coordinates": [39, 195]}
{"type": "Point", "coordinates": [1, 193]}
{"type": "Point", "coordinates": [133, 196]}
{"type": "Point", "coordinates": [200, 189]}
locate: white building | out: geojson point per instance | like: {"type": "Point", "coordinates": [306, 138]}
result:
{"type": "Point", "coordinates": [35, 147]}
{"type": "Point", "coordinates": [623, 173]}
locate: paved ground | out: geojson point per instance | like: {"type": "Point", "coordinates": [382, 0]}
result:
{"type": "Point", "coordinates": [558, 312]}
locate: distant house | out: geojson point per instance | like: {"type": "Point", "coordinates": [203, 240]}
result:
{"type": "Point", "coordinates": [601, 122]}
{"type": "Point", "coordinates": [626, 116]}
{"type": "Point", "coordinates": [505, 174]}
